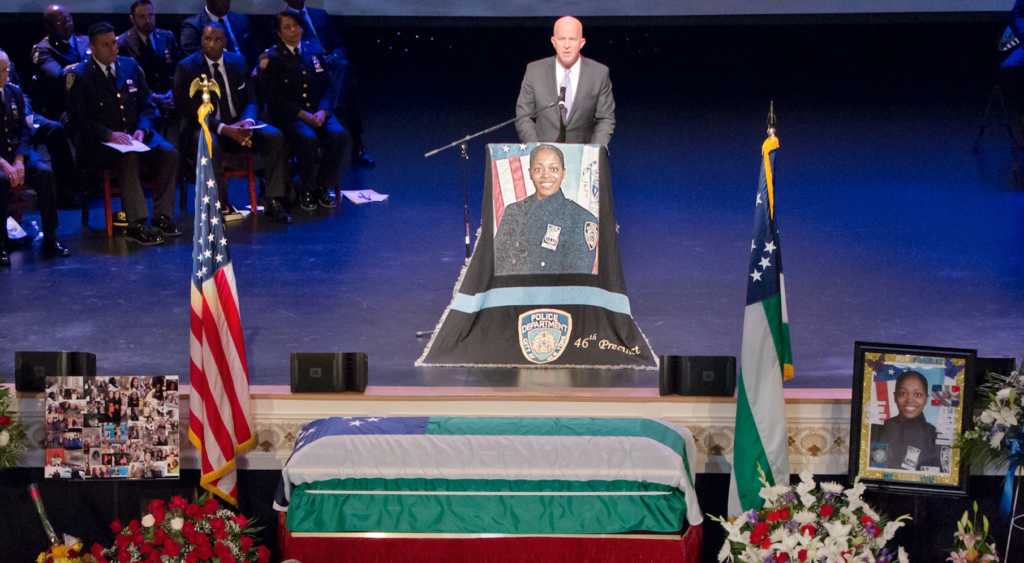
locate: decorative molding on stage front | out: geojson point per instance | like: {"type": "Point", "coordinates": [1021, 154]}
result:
{"type": "Point", "coordinates": [819, 419]}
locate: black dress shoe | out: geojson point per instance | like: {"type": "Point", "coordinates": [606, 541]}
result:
{"type": "Point", "coordinates": [364, 159]}
{"type": "Point", "coordinates": [144, 234]}
{"type": "Point", "coordinates": [307, 201]}
{"type": "Point", "coordinates": [53, 248]}
{"type": "Point", "coordinates": [5, 260]}
{"type": "Point", "coordinates": [327, 199]}
{"type": "Point", "coordinates": [166, 226]}
{"type": "Point", "coordinates": [276, 211]}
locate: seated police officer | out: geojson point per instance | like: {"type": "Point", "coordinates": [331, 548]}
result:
{"type": "Point", "coordinates": [235, 114]}
{"type": "Point", "coordinates": [52, 134]}
{"type": "Point", "coordinates": [19, 166]}
{"type": "Point", "coordinates": [300, 92]}
{"type": "Point", "coordinates": [109, 102]}
{"type": "Point", "coordinates": [60, 49]}
{"type": "Point", "coordinates": [156, 51]}
{"type": "Point", "coordinates": [316, 27]}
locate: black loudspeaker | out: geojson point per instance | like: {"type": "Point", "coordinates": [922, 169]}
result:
{"type": "Point", "coordinates": [32, 368]}
{"type": "Point", "coordinates": [985, 366]}
{"type": "Point", "coordinates": [328, 372]}
{"type": "Point", "coordinates": [698, 375]}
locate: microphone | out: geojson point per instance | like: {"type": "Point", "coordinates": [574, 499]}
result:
{"type": "Point", "coordinates": [561, 97]}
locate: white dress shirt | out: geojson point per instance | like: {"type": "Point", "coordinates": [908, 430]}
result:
{"type": "Point", "coordinates": [574, 74]}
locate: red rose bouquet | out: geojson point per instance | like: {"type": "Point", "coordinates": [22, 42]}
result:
{"type": "Point", "coordinates": [184, 532]}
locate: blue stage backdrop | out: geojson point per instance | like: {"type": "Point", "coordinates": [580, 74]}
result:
{"type": "Point", "coordinates": [544, 286]}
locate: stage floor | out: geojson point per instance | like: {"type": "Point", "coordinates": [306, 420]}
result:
{"type": "Point", "coordinates": [893, 230]}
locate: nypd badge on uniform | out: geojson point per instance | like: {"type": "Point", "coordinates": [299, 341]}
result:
{"type": "Point", "coordinates": [544, 286]}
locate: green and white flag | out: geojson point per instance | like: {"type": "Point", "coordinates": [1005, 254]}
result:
{"type": "Point", "coordinates": [766, 360]}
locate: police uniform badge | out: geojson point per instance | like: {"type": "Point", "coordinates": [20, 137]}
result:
{"type": "Point", "coordinates": [550, 241]}
{"type": "Point", "coordinates": [168, 57]}
{"type": "Point", "coordinates": [69, 80]}
{"type": "Point", "coordinates": [37, 54]}
{"type": "Point", "coordinates": [590, 234]}
{"type": "Point", "coordinates": [544, 334]}
{"type": "Point", "coordinates": [132, 88]}
{"type": "Point", "coordinates": [317, 67]}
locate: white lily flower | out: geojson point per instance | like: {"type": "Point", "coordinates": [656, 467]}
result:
{"type": "Point", "coordinates": [805, 517]}
{"type": "Point", "coordinates": [890, 529]}
{"type": "Point", "coordinates": [902, 556]}
{"type": "Point", "coordinates": [996, 440]}
{"type": "Point", "coordinates": [832, 487]}
{"type": "Point", "coordinates": [838, 530]}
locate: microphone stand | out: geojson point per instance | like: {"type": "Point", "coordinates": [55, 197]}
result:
{"type": "Point", "coordinates": [463, 145]}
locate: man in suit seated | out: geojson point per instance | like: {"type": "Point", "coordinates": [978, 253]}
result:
{"type": "Point", "coordinates": [236, 28]}
{"type": "Point", "coordinates": [20, 165]}
{"type": "Point", "coordinates": [316, 27]}
{"type": "Point", "coordinates": [588, 112]}
{"type": "Point", "coordinates": [299, 94]}
{"type": "Point", "coordinates": [234, 117]}
{"type": "Point", "coordinates": [109, 102]}
{"type": "Point", "coordinates": [156, 50]}
{"type": "Point", "coordinates": [60, 49]}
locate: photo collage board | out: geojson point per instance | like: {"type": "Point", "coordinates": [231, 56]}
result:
{"type": "Point", "coordinates": [122, 427]}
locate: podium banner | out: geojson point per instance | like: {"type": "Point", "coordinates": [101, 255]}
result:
{"type": "Point", "coordinates": [544, 286]}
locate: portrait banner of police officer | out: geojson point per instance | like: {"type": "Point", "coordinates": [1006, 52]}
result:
{"type": "Point", "coordinates": [910, 407]}
{"type": "Point", "coordinates": [544, 286]}
{"type": "Point", "coordinates": [546, 210]}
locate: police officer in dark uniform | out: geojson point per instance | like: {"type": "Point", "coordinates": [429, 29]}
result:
{"type": "Point", "coordinates": [906, 441]}
{"type": "Point", "coordinates": [60, 49]}
{"type": "Point", "coordinates": [300, 91]}
{"type": "Point", "coordinates": [546, 233]}
{"type": "Point", "coordinates": [19, 165]}
{"type": "Point", "coordinates": [156, 50]}
{"type": "Point", "coordinates": [316, 27]}
{"type": "Point", "coordinates": [109, 102]}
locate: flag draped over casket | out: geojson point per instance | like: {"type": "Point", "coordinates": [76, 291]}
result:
{"type": "Point", "coordinates": [544, 286]}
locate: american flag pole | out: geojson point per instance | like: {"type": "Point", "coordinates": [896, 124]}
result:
{"type": "Point", "coordinates": [219, 419]}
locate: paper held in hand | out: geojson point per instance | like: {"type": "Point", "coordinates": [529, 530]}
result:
{"type": "Point", "coordinates": [136, 146]}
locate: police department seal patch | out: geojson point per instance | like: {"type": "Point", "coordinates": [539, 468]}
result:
{"type": "Point", "coordinates": [590, 234]}
{"type": "Point", "coordinates": [544, 334]}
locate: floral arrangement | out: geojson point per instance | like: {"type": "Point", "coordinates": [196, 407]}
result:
{"type": "Point", "coordinates": [68, 552]}
{"type": "Point", "coordinates": [826, 524]}
{"type": "Point", "coordinates": [997, 435]}
{"type": "Point", "coordinates": [184, 532]}
{"type": "Point", "coordinates": [12, 433]}
{"type": "Point", "coordinates": [972, 543]}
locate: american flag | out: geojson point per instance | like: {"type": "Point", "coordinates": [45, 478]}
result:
{"type": "Point", "coordinates": [219, 425]}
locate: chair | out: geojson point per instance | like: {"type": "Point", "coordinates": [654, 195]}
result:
{"type": "Point", "coordinates": [110, 189]}
{"type": "Point", "coordinates": [241, 165]}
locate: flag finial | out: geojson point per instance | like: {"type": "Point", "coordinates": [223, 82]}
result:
{"type": "Point", "coordinates": [771, 118]}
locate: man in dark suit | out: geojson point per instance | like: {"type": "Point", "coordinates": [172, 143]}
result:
{"type": "Point", "coordinates": [20, 165]}
{"type": "Point", "coordinates": [60, 49]}
{"type": "Point", "coordinates": [317, 28]}
{"type": "Point", "coordinates": [586, 113]}
{"type": "Point", "coordinates": [109, 103]}
{"type": "Point", "coordinates": [234, 117]}
{"type": "Point", "coordinates": [156, 50]}
{"type": "Point", "coordinates": [299, 94]}
{"type": "Point", "coordinates": [236, 27]}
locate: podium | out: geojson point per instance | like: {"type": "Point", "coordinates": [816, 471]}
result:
{"type": "Point", "coordinates": [544, 285]}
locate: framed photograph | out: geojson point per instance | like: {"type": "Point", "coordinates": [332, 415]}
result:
{"type": "Point", "coordinates": [910, 405]}
{"type": "Point", "coordinates": [123, 427]}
